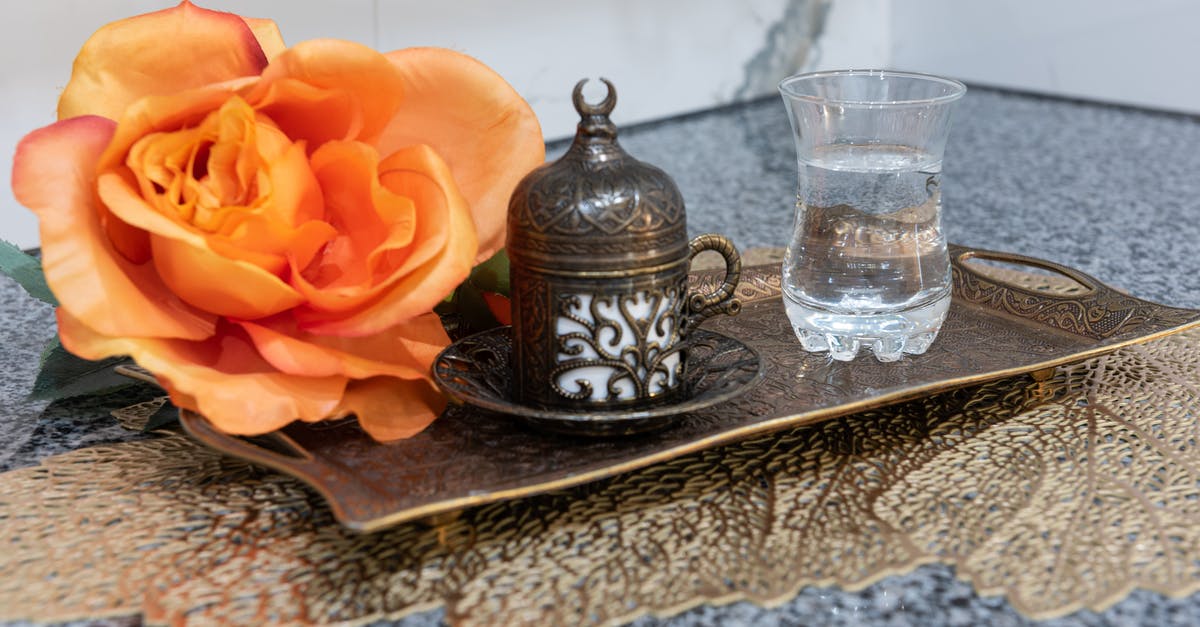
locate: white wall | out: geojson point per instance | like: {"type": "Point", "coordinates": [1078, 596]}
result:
{"type": "Point", "coordinates": [1141, 52]}
{"type": "Point", "coordinates": [665, 56]}
{"type": "Point", "coordinates": [854, 34]}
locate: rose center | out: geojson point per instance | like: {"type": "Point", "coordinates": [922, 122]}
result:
{"type": "Point", "coordinates": [208, 174]}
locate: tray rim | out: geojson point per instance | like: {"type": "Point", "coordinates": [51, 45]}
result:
{"type": "Point", "coordinates": [199, 427]}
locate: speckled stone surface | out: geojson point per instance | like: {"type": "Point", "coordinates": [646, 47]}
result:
{"type": "Point", "coordinates": [31, 430]}
{"type": "Point", "coordinates": [1111, 191]}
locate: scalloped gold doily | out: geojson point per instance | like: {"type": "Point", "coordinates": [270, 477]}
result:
{"type": "Point", "coordinates": [1062, 494]}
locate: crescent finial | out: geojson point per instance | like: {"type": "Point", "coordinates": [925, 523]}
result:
{"type": "Point", "coordinates": [604, 107]}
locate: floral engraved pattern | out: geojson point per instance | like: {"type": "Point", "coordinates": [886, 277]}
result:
{"type": "Point", "coordinates": [618, 346]}
{"type": "Point", "coordinates": [585, 246]}
{"type": "Point", "coordinates": [637, 201]}
{"type": "Point", "coordinates": [1102, 315]}
{"type": "Point", "coordinates": [531, 297]}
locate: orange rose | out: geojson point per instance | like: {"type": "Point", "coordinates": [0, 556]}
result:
{"type": "Point", "coordinates": [266, 228]}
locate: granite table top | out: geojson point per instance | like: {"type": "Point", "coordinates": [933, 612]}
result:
{"type": "Point", "coordinates": [1109, 190]}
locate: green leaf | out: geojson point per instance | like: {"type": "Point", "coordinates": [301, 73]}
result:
{"type": "Point", "coordinates": [473, 310]}
{"type": "Point", "coordinates": [465, 306]}
{"type": "Point", "coordinates": [26, 271]}
{"type": "Point", "coordinates": [64, 375]}
{"type": "Point", "coordinates": [48, 349]}
{"type": "Point", "coordinates": [492, 275]}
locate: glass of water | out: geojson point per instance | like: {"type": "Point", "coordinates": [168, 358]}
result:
{"type": "Point", "coordinates": [867, 266]}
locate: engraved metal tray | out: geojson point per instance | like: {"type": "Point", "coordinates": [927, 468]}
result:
{"type": "Point", "coordinates": [1000, 325]}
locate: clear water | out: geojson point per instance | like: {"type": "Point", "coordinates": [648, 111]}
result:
{"type": "Point", "coordinates": [867, 265]}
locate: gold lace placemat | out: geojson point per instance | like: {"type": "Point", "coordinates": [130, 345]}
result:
{"type": "Point", "coordinates": [1061, 494]}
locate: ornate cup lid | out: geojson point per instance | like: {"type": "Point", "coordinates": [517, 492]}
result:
{"type": "Point", "coordinates": [596, 207]}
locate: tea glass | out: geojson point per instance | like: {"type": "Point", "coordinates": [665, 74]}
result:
{"type": "Point", "coordinates": [867, 265]}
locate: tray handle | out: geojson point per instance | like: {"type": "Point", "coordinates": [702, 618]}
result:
{"type": "Point", "coordinates": [274, 449]}
{"type": "Point", "coordinates": [1089, 284]}
{"type": "Point", "coordinates": [1096, 311]}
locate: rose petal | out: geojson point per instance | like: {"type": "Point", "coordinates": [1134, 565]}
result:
{"type": "Point", "coordinates": [476, 122]}
{"type": "Point", "coordinates": [158, 53]}
{"type": "Point", "coordinates": [374, 224]}
{"type": "Point", "coordinates": [266, 243]}
{"type": "Point", "coordinates": [195, 273]}
{"type": "Point", "coordinates": [204, 173]}
{"type": "Point", "coordinates": [222, 377]}
{"type": "Point", "coordinates": [392, 409]}
{"type": "Point", "coordinates": [325, 90]}
{"type": "Point", "coordinates": [267, 33]}
{"type": "Point", "coordinates": [441, 257]}
{"type": "Point", "coordinates": [295, 192]}
{"type": "Point", "coordinates": [238, 181]}
{"type": "Point", "coordinates": [168, 112]}
{"type": "Point", "coordinates": [218, 284]}
{"type": "Point", "coordinates": [405, 351]}
{"type": "Point", "coordinates": [54, 175]}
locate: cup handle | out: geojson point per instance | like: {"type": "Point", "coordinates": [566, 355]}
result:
{"type": "Point", "coordinates": [702, 306]}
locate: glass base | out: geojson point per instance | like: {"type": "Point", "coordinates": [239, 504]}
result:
{"type": "Point", "coordinates": [888, 335]}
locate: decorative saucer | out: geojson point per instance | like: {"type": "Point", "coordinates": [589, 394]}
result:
{"type": "Point", "coordinates": [476, 370]}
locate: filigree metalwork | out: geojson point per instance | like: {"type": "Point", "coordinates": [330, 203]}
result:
{"type": "Point", "coordinates": [583, 344]}
{"type": "Point", "coordinates": [599, 226]}
{"type": "Point", "coordinates": [597, 205]}
{"type": "Point", "coordinates": [481, 368]}
{"type": "Point", "coordinates": [477, 370]}
{"type": "Point", "coordinates": [634, 338]}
